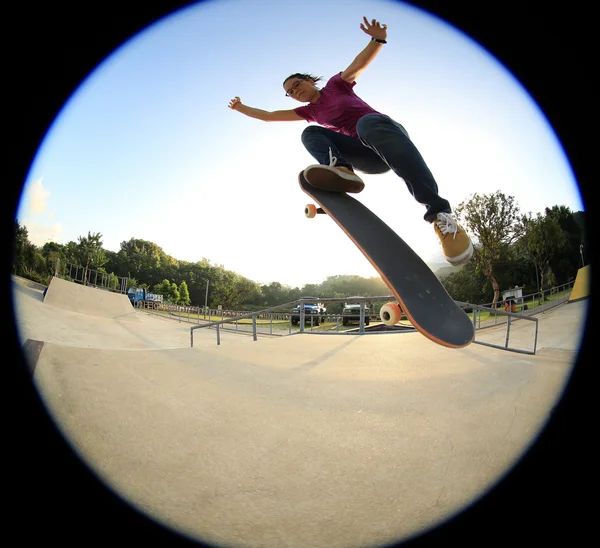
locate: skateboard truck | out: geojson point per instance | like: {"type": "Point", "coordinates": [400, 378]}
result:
{"type": "Point", "coordinates": [311, 210]}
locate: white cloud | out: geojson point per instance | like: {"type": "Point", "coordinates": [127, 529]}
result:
{"type": "Point", "coordinates": [37, 218]}
{"type": "Point", "coordinates": [39, 235]}
{"type": "Point", "coordinates": [36, 198]}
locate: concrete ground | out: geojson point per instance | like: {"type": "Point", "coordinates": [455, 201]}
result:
{"type": "Point", "coordinates": [301, 441]}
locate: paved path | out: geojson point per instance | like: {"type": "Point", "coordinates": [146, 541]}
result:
{"type": "Point", "coordinates": [299, 441]}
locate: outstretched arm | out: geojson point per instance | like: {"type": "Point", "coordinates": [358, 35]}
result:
{"type": "Point", "coordinates": [264, 115]}
{"type": "Point", "coordinates": [376, 31]}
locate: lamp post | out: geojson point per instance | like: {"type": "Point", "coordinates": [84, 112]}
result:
{"type": "Point", "coordinates": [206, 295]}
{"type": "Point", "coordinates": [537, 279]}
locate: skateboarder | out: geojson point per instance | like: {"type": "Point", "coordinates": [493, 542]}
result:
{"type": "Point", "coordinates": [353, 135]}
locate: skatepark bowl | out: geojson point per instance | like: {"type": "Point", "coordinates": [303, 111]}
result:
{"type": "Point", "coordinates": [296, 441]}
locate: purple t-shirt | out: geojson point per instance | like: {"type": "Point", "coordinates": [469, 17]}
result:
{"type": "Point", "coordinates": [338, 108]}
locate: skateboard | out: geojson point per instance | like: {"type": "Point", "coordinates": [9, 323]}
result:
{"type": "Point", "coordinates": [420, 294]}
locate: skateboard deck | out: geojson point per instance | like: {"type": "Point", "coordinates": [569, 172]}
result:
{"type": "Point", "coordinates": [420, 294]}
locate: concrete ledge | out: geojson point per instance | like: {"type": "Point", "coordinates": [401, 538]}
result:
{"type": "Point", "coordinates": [32, 350]}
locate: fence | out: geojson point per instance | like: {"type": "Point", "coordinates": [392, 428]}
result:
{"type": "Point", "coordinates": [476, 311]}
{"type": "Point", "coordinates": [90, 277]}
{"type": "Point", "coordinates": [270, 314]}
{"type": "Point", "coordinates": [511, 317]}
{"type": "Point", "coordinates": [527, 305]}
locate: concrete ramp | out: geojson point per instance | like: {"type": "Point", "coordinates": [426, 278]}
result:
{"type": "Point", "coordinates": [581, 289]}
{"type": "Point", "coordinates": [87, 300]}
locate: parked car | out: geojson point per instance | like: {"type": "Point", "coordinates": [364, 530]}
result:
{"type": "Point", "coordinates": [351, 314]}
{"type": "Point", "coordinates": [313, 312]}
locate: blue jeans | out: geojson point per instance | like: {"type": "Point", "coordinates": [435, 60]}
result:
{"type": "Point", "coordinates": [383, 144]}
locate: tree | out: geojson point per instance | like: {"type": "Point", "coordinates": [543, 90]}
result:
{"type": "Point", "coordinates": [24, 251]}
{"type": "Point", "coordinates": [174, 295]}
{"type": "Point", "coordinates": [352, 285]}
{"type": "Point", "coordinates": [493, 220]}
{"type": "Point", "coordinates": [198, 277]}
{"type": "Point", "coordinates": [132, 282]}
{"type": "Point", "coordinates": [184, 295]}
{"type": "Point", "coordinates": [515, 268]}
{"type": "Point", "coordinates": [70, 253]}
{"type": "Point", "coordinates": [567, 260]}
{"type": "Point", "coordinates": [466, 284]}
{"type": "Point", "coordinates": [164, 289]}
{"type": "Point", "coordinates": [52, 253]}
{"type": "Point", "coordinates": [89, 253]}
{"type": "Point", "coordinates": [141, 259]}
{"type": "Point", "coordinates": [579, 219]}
{"type": "Point", "coordinates": [232, 290]}
{"type": "Point", "coordinates": [113, 281]}
{"type": "Point", "coordinates": [274, 294]}
{"type": "Point", "coordinates": [542, 239]}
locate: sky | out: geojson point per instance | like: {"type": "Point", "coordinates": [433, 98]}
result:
{"type": "Point", "coordinates": [146, 147]}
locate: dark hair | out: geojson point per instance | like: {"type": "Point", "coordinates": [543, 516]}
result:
{"type": "Point", "coordinates": [303, 76]}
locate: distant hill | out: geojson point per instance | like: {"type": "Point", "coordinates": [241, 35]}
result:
{"type": "Point", "coordinates": [443, 269]}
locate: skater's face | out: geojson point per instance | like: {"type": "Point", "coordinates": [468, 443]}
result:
{"type": "Point", "coordinates": [301, 90]}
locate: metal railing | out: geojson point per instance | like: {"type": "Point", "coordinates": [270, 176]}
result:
{"type": "Point", "coordinates": [476, 310]}
{"type": "Point", "coordinates": [511, 317]}
{"type": "Point", "coordinates": [90, 277]}
{"type": "Point", "coordinates": [526, 305]}
{"type": "Point", "coordinates": [303, 318]}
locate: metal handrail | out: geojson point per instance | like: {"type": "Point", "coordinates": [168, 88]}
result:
{"type": "Point", "coordinates": [509, 315]}
{"type": "Point", "coordinates": [301, 301]}
{"type": "Point", "coordinates": [477, 309]}
{"type": "Point", "coordinates": [537, 296]}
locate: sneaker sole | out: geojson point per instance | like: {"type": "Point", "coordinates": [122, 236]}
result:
{"type": "Point", "coordinates": [325, 178]}
{"type": "Point", "coordinates": [463, 258]}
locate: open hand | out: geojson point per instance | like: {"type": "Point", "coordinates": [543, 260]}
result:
{"type": "Point", "coordinates": [235, 101]}
{"type": "Point", "coordinates": [374, 29]}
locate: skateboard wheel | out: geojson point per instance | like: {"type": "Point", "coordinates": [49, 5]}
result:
{"type": "Point", "coordinates": [310, 211]}
{"type": "Point", "coordinates": [390, 313]}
